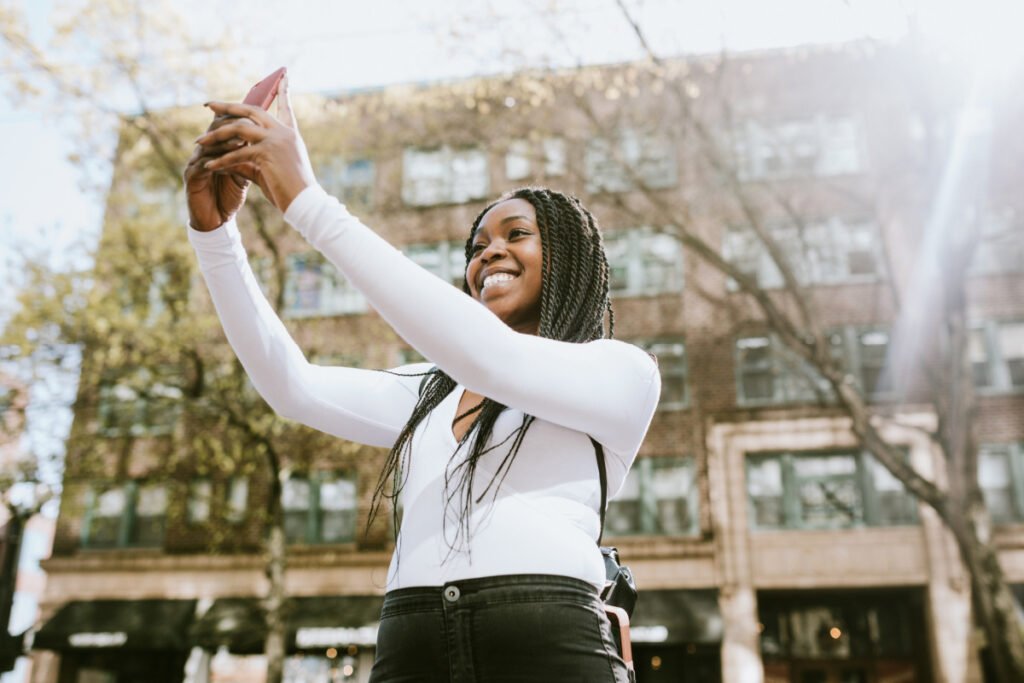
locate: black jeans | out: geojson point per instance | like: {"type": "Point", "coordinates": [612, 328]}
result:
{"type": "Point", "coordinates": [495, 630]}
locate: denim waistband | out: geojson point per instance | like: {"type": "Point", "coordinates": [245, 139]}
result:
{"type": "Point", "coordinates": [511, 588]}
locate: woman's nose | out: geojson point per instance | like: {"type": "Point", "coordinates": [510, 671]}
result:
{"type": "Point", "coordinates": [495, 249]}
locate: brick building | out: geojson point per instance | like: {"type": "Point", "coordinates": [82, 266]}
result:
{"type": "Point", "coordinates": [767, 546]}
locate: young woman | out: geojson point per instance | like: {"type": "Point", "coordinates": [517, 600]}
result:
{"type": "Point", "coordinates": [496, 570]}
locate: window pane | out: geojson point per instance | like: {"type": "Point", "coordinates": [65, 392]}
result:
{"type": "Point", "coordinates": [237, 499]}
{"type": "Point", "coordinates": [874, 347]}
{"type": "Point", "coordinates": [1011, 346]}
{"type": "Point", "coordinates": [617, 248]}
{"type": "Point", "coordinates": [623, 516]}
{"type": "Point", "coordinates": [672, 487]}
{"type": "Point", "coordinates": [977, 351]}
{"type": "Point", "coordinates": [661, 259]}
{"type": "Point", "coordinates": [827, 490]}
{"type": "Point", "coordinates": [108, 512]}
{"type": "Point", "coordinates": [200, 492]}
{"type": "Point", "coordinates": [295, 499]}
{"type": "Point", "coordinates": [337, 509]}
{"type": "Point", "coordinates": [757, 376]}
{"type": "Point", "coordinates": [554, 156]}
{"type": "Point", "coordinates": [469, 175]}
{"type": "Point", "coordinates": [764, 487]}
{"type": "Point", "coordinates": [517, 160]}
{"type": "Point", "coordinates": [895, 505]}
{"type": "Point", "coordinates": [150, 515]}
{"type": "Point", "coordinates": [996, 483]}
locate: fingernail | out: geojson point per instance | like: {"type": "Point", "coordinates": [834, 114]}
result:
{"type": "Point", "coordinates": [208, 164]}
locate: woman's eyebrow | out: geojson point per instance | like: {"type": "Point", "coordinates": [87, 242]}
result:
{"type": "Point", "coordinates": [513, 218]}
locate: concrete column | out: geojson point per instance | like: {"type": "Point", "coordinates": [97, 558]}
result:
{"type": "Point", "coordinates": [741, 649]}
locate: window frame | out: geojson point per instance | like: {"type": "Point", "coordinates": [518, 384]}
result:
{"type": "Point", "coordinates": [651, 346]}
{"type": "Point", "coordinates": [615, 163]}
{"type": "Point", "coordinates": [448, 181]}
{"type": "Point", "coordinates": [996, 364]}
{"type": "Point", "coordinates": [336, 175]}
{"type": "Point", "coordinates": [756, 142]}
{"type": "Point", "coordinates": [1014, 453]}
{"type": "Point", "coordinates": [791, 510]}
{"type": "Point", "coordinates": [313, 529]}
{"type": "Point", "coordinates": [127, 525]}
{"type": "Point", "coordinates": [645, 470]}
{"type": "Point", "coordinates": [821, 244]}
{"type": "Point", "coordinates": [636, 251]}
{"type": "Point", "coordinates": [334, 294]}
{"type": "Point", "coordinates": [142, 407]}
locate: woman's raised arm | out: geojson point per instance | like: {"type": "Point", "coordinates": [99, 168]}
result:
{"type": "Point", "coordinates": [366, 406]}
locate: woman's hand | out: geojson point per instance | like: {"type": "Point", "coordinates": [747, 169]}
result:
{"type": "Point", "coordinates": [213, 198]}
{"type": "Point", "coordinates": [275, 157]}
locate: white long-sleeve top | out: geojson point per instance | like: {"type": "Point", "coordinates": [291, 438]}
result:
{"type": "Point", "coordinates": [544, 517]}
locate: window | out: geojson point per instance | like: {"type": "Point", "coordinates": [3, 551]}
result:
{"type": "Point", "coordinates": [447, 260]}
{"type": "Point", "coordinates": [671, 355]}
{"type": "Point", "coordinates": [125, 515]}
{"type": "Point", "coordinates": [614, 165]}
{"type": "Point", "coordinates": [863, 354]}
{"type": "Point", "coordinates": [831, 252]}
{"type": "Point", "coordinates": [521, 156]}
{"type": "Point", "coordinates": [1001, 478]}
{"type": "Point", "coordinates": [996, 351]}
{"type": "Point", "coordinates": [314, 287]}
{"type": "Point", "coordinates": [824, 491]}
{"type": "Point", "coordinates": [444, 175]}
{"type": "Point", "coordinates": [143, 402]}
{"type": "Point", "coordinates": [236, 494]}
{"type": "Point", "coordinates": [643, 262]}
{"type": "Point", "coordinates": [821, 147]}
{"type": "Point", "coordinates": [350, 181]}
{"type": "Point", "coordinates": [768, 373]}
{"type": "Point", "coordinates": [200, 493]}
{"type": "Point", "coordinates": [659, 496]}
{"type": "Point", "coordinates": [320, 508]}
{"type": "Point", "coordinates": [1000, 247]}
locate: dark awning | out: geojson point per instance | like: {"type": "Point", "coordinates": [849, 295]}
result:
{"type": "Point", "coordinates": [312, 623]}
{"type": "Point", "coordinates": [121, 624]}
{"type": "Point", "coordinates": [677, 616]}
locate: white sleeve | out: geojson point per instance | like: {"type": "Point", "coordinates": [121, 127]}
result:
{"type": "Point", "coordinates": [607, 389]}
{"type": "Point", "coordinates": [366, 406]}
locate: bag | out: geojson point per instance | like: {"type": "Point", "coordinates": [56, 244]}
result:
{"type": "Point", "coordinates": [619, 594]}
{"type": "Point", "coordinates": [619, 586]}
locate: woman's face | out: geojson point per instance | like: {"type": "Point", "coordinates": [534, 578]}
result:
{"type": "Point", "coordinates": [504, 270]}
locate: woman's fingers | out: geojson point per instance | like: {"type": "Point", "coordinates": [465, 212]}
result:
{"type": "Point", "coordinates": [242, 155]}
{"type": "Point", "coordinates": [243, 111]}
{"type": "Point", "coordinates": [240, 129]}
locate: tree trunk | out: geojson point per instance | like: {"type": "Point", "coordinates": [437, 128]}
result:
{"type": "Point", "coordinates": [274, 647]}
{"type": "Point", "coordinates": [994, 606]}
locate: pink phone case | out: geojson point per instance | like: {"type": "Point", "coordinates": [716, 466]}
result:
{"type": "Point", "coordinates": [264, 92]}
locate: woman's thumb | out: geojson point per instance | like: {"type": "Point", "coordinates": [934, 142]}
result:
{"type": "Point", "coordinates": [284, 105]}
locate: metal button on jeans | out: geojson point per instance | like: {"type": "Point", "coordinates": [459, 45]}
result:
{"type": "Point", "coordinates": [451, 593]}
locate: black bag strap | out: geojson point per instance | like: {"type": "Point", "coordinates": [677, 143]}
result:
{"type": "Point", "coordinates": [603, 475]}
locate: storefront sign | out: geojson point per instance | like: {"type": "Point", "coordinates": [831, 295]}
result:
{"type": "Point", "coordinates": [109, 639]}
{"type": "Point", "coordinates": [306, 638]}
{"type": "Point", "coordinates": [648, 634]}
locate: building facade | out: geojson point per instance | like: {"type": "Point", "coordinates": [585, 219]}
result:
{"type": "Point", "coordinates": [767, 544]}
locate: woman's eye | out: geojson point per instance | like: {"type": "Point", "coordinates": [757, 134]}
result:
{"type": "Point", "coordinates": [515, 232]}
{"type": "Point", "coordinates": [476, 248]}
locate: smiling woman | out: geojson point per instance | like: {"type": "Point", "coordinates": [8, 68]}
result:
{"type": "Point", "coordinates": [497, 540]}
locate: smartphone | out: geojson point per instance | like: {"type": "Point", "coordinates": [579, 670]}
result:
{"type": "Point", "coordinates": [264, 92]}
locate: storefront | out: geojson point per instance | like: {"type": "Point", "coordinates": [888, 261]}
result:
{"type": "Point", "coordinates": [844, 636]}
{"type": "Point", "coordinates": [328, 639]}
{"type": "Point", "coordinates": [120, 641]}
{"type": "Point", "coordinates": [677, 637]}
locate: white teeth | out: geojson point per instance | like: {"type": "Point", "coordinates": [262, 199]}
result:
{"type": "Point", "coordinates": [496, 278]}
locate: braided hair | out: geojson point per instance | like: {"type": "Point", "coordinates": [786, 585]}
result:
{"type": "Point", "coordinates": [574, 299]}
